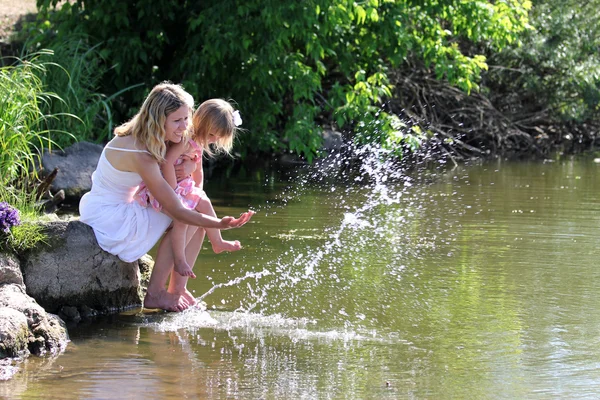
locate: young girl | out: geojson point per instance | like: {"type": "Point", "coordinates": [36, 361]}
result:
{"type": "Point", "coordinates": [214, 122]}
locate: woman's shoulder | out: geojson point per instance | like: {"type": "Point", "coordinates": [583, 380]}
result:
{"type": "Point", "coordinates": [124, 155]}
{"type": "Point", "coordinates": [126, 143]}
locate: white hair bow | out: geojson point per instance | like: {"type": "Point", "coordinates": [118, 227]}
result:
{"type": "Point", "coordinates": [237, 118]}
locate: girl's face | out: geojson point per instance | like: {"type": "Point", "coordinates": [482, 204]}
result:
{"type": "Point", "coordinates": [212, 137]}
{"type": "Point", "coordinates": [176, 124]}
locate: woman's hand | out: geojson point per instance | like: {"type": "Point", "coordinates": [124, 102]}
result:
{"type": "Point", "coordinates": [230, 222]}
{"type": "Point", "coordinates": [185, 169]}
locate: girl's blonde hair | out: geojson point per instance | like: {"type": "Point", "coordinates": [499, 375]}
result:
{"type": "Point", "coordinates": [214, 116]}
{"type": "Point", "coordinates": [148, 125]}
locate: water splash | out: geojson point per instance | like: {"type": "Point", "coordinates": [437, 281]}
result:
{"type": "Point", "coordinates": [235, 282]}
{"type": "Point", "coordinates": [369, 190]}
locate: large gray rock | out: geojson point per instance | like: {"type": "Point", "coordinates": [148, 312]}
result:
{"type": "Point", "coordinates": [71, 270]}
{"type": "Point", "coordinates": [14, 333]}
{"type": "Point", "coordinates": [75, 167]}
{"type": "Point", "coordinates": [25, 327]}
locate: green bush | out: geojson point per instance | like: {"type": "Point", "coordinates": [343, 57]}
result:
{"type": "Point", "coordinates": [558, 66]}
{"type": "Point", "coordinates": [292, 66]}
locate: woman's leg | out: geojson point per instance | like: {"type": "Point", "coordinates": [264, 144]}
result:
{"type": "Point", "coordinates": [177, 284]}
{"type": "Point", "coordinates": [178, 242]}
{"type": "Point", "coordinates": [156, 295]}
{"type": "Point", "coordinates": [214, 235]}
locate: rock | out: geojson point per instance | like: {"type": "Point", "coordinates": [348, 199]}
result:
{"type": "Point", "coordinates": [87, 313]}
{"type": "Point", "coordinates": [75, 167]}
{"type": "Point", "coordinates": [14, 333]}
{"type": "Point", "coordinates": [25, 327]}
{"type": "Point", "coordinates": [7, 371]}
{"type": "Point", "coordinates": [146, 263]}
{"type": "Point", "coordinates": [332, 140]}
{"type": "Point", "coordinates": [10, 270]}
{"type": "Point", "coordinates": [71, 270]}
{"type": "Point", "coordinates": [69, 313]}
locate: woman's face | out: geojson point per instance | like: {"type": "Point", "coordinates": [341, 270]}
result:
{"type": "Point", "coordinates": [176, 124]}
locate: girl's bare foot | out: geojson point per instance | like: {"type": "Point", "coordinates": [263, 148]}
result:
{"type": "Point", "coordinates": [166, 301]}
{"type": "Point", "coordinates": [184, 269]}
{"type": "Point", "coordinates": [226, 245]}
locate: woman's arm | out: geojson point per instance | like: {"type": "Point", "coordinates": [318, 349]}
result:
{"type": "Point", "coordinates": [168, 167]}
{"type": "Point", "coordinates": [148, 169]}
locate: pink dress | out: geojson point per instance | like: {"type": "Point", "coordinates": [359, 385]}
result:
{"type": "Point", "coordinates": [186, 189]}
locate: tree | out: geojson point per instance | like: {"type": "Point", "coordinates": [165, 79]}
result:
{"type": "Point", "coordinates": [293, 67]}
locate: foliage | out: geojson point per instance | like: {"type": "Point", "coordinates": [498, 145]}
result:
{"type": "Point", "coordinates": [18, 215]}
{"type": "Point", "coordinates": [26, 236]}
{"type": "Point", "coordinates": [76, 78]}
{"type": "Point", "coordinates": [9, 217]}
{"type": "Point", "coordinates": [24, 133]}
{"type": "Point", "coordinates": [291, 66]}
{"type": "Point", "coordinates": [559, 59]}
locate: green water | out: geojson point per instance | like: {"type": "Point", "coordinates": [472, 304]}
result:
{"type": "Point", "coordinates": [480, 284]}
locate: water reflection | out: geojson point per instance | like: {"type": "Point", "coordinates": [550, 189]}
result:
{"type": "Point", "coordinates": [480, 283]}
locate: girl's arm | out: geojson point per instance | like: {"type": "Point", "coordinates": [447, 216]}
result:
{"type": "Point", "coordinates": [198, 174]}
{"type": "Point", "coordinates": [168, 167]}
{"type": "Point", "coordinates": [147, 167]}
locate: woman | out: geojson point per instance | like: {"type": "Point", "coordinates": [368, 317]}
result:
{"type": "Point", "coordinates": [127, 229]}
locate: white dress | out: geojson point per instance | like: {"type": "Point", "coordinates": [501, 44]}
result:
{"type": "Point", "coordinates": [121, 225]}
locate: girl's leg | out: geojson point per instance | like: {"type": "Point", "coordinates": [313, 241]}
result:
{"type": "Point", "coordinates": [214, 235]}
{"type": "Point", "coordinates": [179, 242]}
{"type": "Point", "coordinates": [156, 295]}
{"type": "Point", "coordinates": [177, 284]}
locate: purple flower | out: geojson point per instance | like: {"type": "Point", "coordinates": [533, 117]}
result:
{"type": "Point", "coordinates": [9, 217]}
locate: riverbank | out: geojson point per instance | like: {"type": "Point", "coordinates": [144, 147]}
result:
{"type": "Point", "coordinates": [12, 12]}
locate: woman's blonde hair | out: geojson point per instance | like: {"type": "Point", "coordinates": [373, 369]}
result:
{"type": "Point", "coordinates": [214, 116]}
{"type": "Point", "coordinates": [148, 125]}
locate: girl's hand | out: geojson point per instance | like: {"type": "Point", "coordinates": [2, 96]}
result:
{"type": "Point", "coordinates": [185, 169]}
{"type": "Point", "coordinates": [230, 222]}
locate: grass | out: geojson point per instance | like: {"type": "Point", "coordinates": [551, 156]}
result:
{"type": "Point", "coordinates": [24, 132]}
{"type": "Point", "coordinates": [75, 77]}
{"type": "Point", "coordinates": [29, 233]}
{"type": "Point", "coordinates": [24, 136]}
{"type": "Point", "coordinates": [25, 236]}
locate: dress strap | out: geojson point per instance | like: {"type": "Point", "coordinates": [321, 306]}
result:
{"type": "Point", "coordinates": [195, 145]}
{"type": "Point", "coordinates": [127, 150]}
{"type": "Point", "coordinates": [198, 150]}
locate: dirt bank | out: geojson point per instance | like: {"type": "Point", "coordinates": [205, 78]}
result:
{"type": "Point", "coordinates": [10, 12]}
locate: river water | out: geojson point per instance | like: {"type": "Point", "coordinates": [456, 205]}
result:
{"type": "Point", "coordinates": [476, 282]}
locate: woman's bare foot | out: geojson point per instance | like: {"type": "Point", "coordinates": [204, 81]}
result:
{"type": "Point", "coordinates": [187, 295]}
{"type": "Point", "coordinates": [166, 301]}
{"type": "Point", "coordinates": [226, 245]}
{"type": "Point", "coordinates": [184, 269]}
